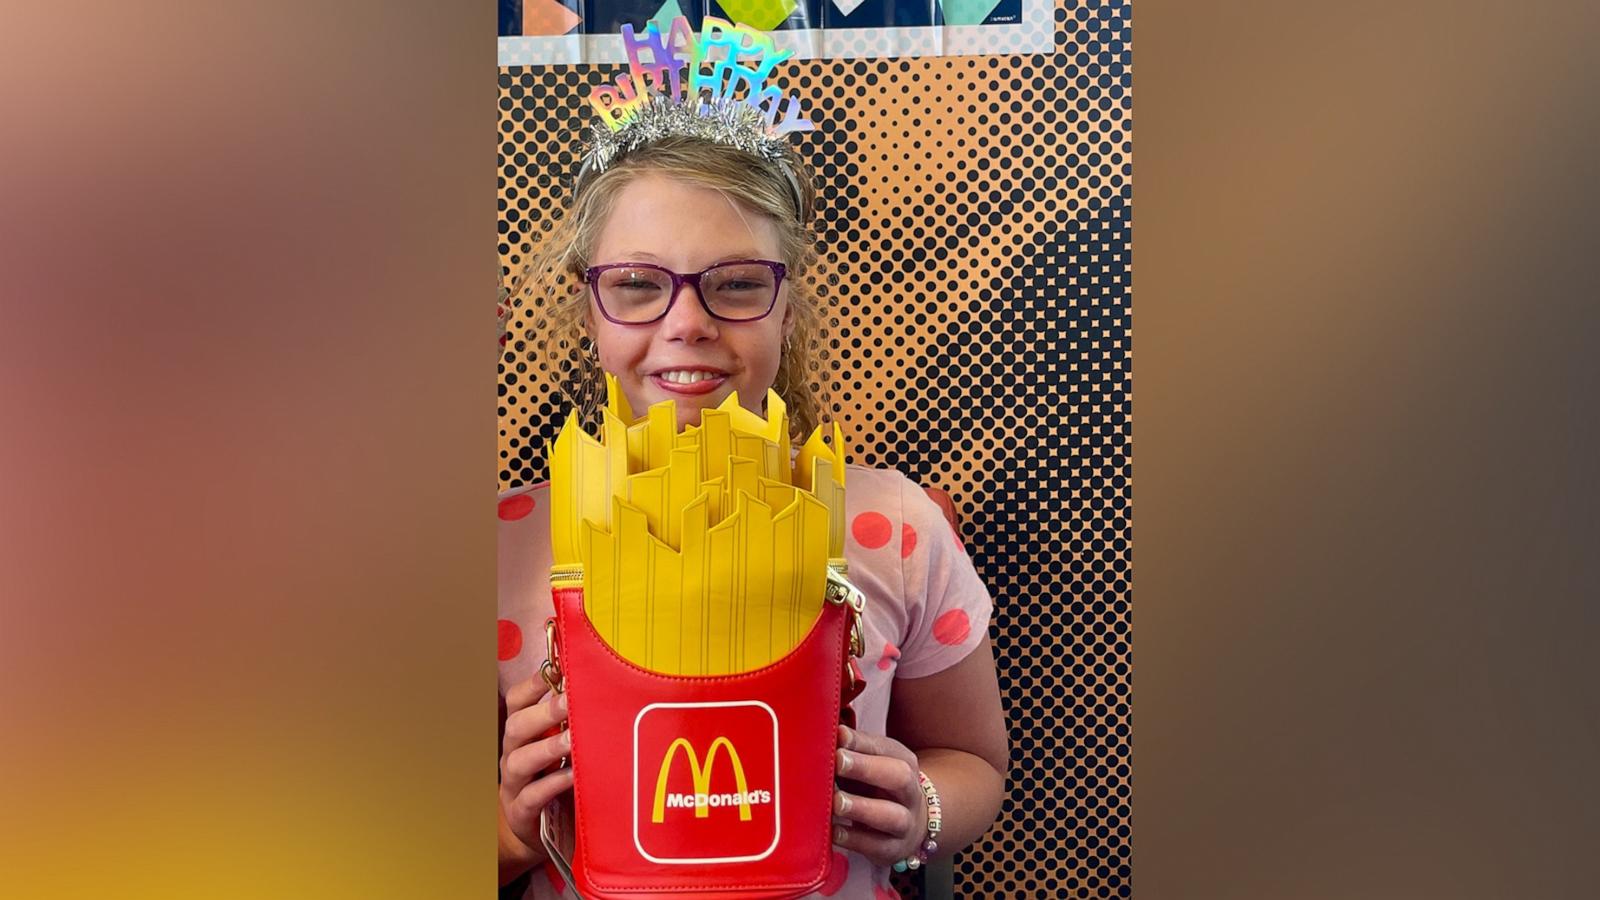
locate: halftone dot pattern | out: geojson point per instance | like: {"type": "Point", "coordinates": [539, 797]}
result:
{"type": "Point", "coordinates": [975, 213]}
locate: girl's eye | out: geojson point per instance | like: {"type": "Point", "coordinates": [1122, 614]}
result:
{"type": "Point", "coordinates": [632, 282]}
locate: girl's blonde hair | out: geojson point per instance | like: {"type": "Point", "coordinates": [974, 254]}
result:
{"type": "Point", "coordinates": [551, 286]}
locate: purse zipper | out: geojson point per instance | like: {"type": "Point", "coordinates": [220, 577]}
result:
{"type": "Point", "coordinates": [567, 576]}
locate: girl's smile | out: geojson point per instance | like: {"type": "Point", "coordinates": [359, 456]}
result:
{"type": "Point", "coordinates": [690, 381]}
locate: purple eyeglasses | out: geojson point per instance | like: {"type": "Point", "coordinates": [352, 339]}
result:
{"type": "Point", "coordinates": [743, 290]}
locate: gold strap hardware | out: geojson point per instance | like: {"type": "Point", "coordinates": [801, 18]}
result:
{"type": "Point", "coordinates": [560, 577]}
{"type": "Point", "coordinates": [550, 670]}
{"type": "Point", "coordinates": [841, 592]}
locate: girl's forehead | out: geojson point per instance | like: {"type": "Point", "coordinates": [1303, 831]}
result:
{"type": "Point", "coordinates": [661, 188]}
{"type": "Point", "coordinates": [655, 210]}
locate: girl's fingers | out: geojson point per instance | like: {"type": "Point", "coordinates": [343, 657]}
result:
{"type": "Point", "coordinates": [531, 723]}
{"type": "Point", "coordinates": [876, 745]}
{"type": "Point", "coordinates": [525, 694]}
{"type": "Point", "coordinates": [536, 795]}
{"type": "Point", "coordinates": [877, 847]}
{"type": "Point", "coordinates": [886, 816]}
{"type": "Point", "coordinates": [523, 765]}
{"type": "Point", "coordinates": [888, 773]}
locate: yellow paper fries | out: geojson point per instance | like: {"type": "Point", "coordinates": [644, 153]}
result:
{"type": "Point", "coordinates": [705, 551]}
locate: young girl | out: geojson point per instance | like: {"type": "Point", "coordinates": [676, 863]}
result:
{"type": "Point", "coordinates": [651, 276]}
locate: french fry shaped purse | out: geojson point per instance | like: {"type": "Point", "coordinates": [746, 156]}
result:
{"type": "Point", "coordinates": [705, 637]}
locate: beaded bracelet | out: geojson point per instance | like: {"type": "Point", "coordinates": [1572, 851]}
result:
{"type": "Point", "coordinates": [930, 845]}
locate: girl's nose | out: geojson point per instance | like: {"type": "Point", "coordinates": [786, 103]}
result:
{"type": "Point", "coordinates": [688, 319]}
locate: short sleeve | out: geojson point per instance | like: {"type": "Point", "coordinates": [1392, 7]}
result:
{"type": "Point", "coordinates": [522, 582]}
{"type": "Point", "coordinates": [947, 606]}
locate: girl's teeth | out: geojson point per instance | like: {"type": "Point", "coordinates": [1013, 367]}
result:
{"type": "Point", "coordinates": [685, 377]}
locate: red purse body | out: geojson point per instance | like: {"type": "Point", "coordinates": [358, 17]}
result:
{"type": "Point", "coordinates": [703, 786]}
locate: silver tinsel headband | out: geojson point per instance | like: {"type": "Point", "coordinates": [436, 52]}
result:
{"type": "Point", "coordinates": [712, 88]}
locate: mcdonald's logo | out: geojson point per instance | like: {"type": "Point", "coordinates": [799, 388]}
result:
{"type": "Point", "coordinates": [702, 800]}
{"type": "Point", "coordinates": [706, 781]}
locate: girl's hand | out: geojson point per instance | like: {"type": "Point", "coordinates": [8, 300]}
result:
{"type": "Point", "coordinates": [879, 810]}
{"type": "Point", "coordinates": [527, 755]}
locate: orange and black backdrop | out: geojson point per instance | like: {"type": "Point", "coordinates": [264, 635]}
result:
{"type": "Point", "coordinates": [974, 216]}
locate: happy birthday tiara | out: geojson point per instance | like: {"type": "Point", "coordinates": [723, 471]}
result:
{"type": "Point", "coordinates": [712, 88]}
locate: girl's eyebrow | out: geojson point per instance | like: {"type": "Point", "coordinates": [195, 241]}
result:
{"type": "Point", "coordinates": [646, 256]}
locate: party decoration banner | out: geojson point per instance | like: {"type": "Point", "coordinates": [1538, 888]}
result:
{"type": "Point", "coordinates": [565, 32]}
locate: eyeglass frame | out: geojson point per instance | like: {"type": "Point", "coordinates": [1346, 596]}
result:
{"type": "Point", "coordinates": [778, 269]}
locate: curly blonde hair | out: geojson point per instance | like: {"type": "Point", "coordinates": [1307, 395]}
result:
{"type": "Point", "coordinates": [551, 285]}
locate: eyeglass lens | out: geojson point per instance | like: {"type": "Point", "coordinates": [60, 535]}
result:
{"type": "Point", "coordinates": [732, 291]}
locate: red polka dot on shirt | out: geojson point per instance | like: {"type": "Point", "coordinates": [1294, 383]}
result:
{"type": "Point", "coordinates": [872, 530]}
{"type": "Point", "coordinates": [952, 628]}
{"type": "Point", "coordinates": [514, 508]}
{"type": "Point", "coordinates": [836, 875]}
{"type": "Point", "coordinates": [890, 654]}
{"type": "Point", "coordinates": [510, 639]}
{"type": "Point", "coordinates": [908, 540]}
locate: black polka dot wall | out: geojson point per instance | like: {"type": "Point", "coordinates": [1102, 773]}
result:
{"type": "Point", "coordinates": [974, 222]}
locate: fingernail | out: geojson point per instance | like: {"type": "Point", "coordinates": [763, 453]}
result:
{"type": "Point", "coordinates": [561, 702]}
{"type": "Point", "coordinates": [849, 737]}
{"type": "Point", "coordinates": [844, 761]}
{"type": "Point", "coordinates": [841, 802]}
{"type": "Point", "coordinates": [838, 835]}
{"type": "Point", "coordinates": [566, 741]}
